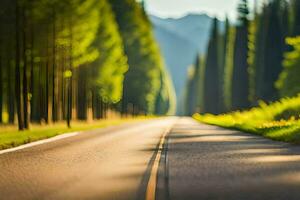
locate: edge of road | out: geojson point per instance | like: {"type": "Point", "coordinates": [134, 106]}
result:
{"type": "Point", "coordinates": [39, 142]}
{"type": "Point", "coordinates": [60, 137]}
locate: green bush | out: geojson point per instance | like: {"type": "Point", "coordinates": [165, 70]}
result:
{"type": "Point", "coordinates": [278, 120]}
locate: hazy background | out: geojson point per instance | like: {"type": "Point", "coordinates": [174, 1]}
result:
{"type": "Point", "coordinates": [178, 8]}
{"type": "Point", "coordinates": [182, 29]}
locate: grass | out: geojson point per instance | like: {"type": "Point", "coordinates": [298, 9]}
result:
{"type": "Point", "coordinates": [11, 137]}
{"type": "Point", "coordinates": [278, 121]}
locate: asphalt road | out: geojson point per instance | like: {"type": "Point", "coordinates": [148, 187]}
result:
{"type": "Point", "coordinates": [207, 162]}
{"type": "Point", "coordinates": [197, 162]}
{"type": "Point", "coordinates": [108, 164]}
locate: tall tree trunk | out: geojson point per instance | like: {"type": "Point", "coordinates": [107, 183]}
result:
{"type": "Point", "coordinates": [47, 96]}
{"type": "Point", "coordinates": [82, 97]}
{"type": "Point", "coordinates": [1, 85]}
{"type": "Point", "coordinates": [101, 108]}
{"type": "Point", "coordinates": [59, 85]}
{"type": "Point", "coordinates": [41, 94]}
{"type": "Point", "coordinates": [25, 85]}
{"type": "Point", "coordinates": [74, 93]}
{"type": "Point", "coordinates": [98, 107]}
{"type": "Point", "coordinates": [37, 94]}
{"type": "Point", "coordinates": [18, 72]}
{"type": "Point", "coordinates": [63, 83]}
{"type": "Point", "coordinates": [94, 103]}
{"type": "Point", "coordinates": [89, 106]}
{"type": "Point", "coordinates": [70, 79]}
{"type": "Point", "coordinates": [69, 106]}
{"type": "Point", "coordinates": [10, 90]}
{"type": "Point", "coordinates": [32, 73]}
{"type": "Point", "coordinates": [54, 93]}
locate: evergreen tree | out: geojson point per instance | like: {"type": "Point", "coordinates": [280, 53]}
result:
{"type": "Point", "coordinates": [273, 52]}
{"type": "Point", "coordinates": [295, 5]}
{"type": "Point", "coordinates": [190, 91]}
{"type": "Point", "coordinates": [223, 46]}
{"type": "Point", "coordinates": [255, 55]}
{"type": "Point", "coordinates": [1, 63]}
{"type": "Point", "coordinates": [289, 82]}
{"type": "Point", "coordinates": [240, 79]}
{"type": "Point", "coordinates": [199, 80]}
{"type": "Point", "coordinates": [166, 99]}
{"type": "Point", "coordinates": [266, 44]}
{"type": "Point", "coordinates": [142, 81]}
{"type": "Point", "coordinates": [108, 70]}
{"type": "Point", "coordinates": [193, 93]}
{"type": "Point", "coordinates": [211, 93]}
{"type": "Point", "coordinates": [228, 71]}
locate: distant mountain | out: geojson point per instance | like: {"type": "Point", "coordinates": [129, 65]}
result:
{"type": "Point", "coordinates": [194, 28]}
{"type": "Point", "coordinates": [181, 40]}
{"type": "Point", "coordinates": [178, 53]}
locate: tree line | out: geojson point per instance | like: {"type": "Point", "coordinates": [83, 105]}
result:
{"type": "Point", "coordinates": [66, 60]}
{"type": "Point", "coordinates": [257, 58]}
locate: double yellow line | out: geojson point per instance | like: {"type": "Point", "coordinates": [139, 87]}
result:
{"type": "Point", "coordinates": [152, 183]}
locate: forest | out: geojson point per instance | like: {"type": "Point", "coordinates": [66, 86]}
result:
{"type": "Point", "coordinates": [251, 71]}
{"type": "Point", "coordinates": [66, 60]}
{"type": "Point", "coordinates": [255, 59]}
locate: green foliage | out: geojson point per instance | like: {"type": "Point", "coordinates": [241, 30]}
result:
{"type": "Point", "coordinates": [266, 47]}
{"type": "Point", "coordinates": [194, 94]}
{"type": "Point", "coordinates": [166, 100]}
{"type": "Point", "coordinates": [191, 88]}
{"type": "Point", "coordinates": [223, 38]}
{"type": "Point", "coordinates": [229, 69]}
{"type": "Point", "coordinates": [289, 82]}
{"type": "Point", "coordinates": [142, 82]}
{"type": "Point", "coordinates": [278, 121]}
{"type": "Point", "coordinates": [68, 74]}
{"type": "Point", "coordinates": [254, 36]}
{"type": "Point", "coordinates": [71, 58]}
{"type": "Point", "coordinates": [244, 63]}
{"type": "Point", "coordinates": [109, 68]}
{"type": "Point", "coordinates": [295, 13]}
{"type": "Point", "coordinates": [82, 31]}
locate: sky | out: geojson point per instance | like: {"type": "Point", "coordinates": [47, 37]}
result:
{"type": "Point", "coordinates": [178, 8]}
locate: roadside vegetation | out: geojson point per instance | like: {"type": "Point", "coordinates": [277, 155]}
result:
{"type": "Point", "coordinates": [278, 121]}
{"type": "Point", "coordinates": [77, 60]}
{"type": "Point", "coordinates": [256, 59]}
{"type": "Point", "coordinates": [11, 137]}
{"type": "Point", "coordinates": [253, 61]}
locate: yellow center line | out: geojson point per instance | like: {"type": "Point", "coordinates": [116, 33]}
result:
{"type": "Point", "coordinates": [151, 187]}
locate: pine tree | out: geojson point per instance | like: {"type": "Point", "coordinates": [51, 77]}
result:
{"type": "Point", "coordinates": [18, 86]}
{"type": "Point", "coordinates": [273, 51]}
{"type": "Point", "coordinates": [199, 80]}
{"type": "Point", "coordinates": [211, 78]}
{"type": "Point", "coordinates": [223, 54]}
{"type": "Point", "coordinates": [255, 54]}
{"type": "Point", "coordinates": [190, 92]}
{"type": "Point", "coordinates": [142, 81]}
{"type": "Point", "coordinates": [289, 82]}
{"type": "Point", "coordinates": [295, 5]}
{"type": "Point", "coordinates": [229, 65]}
{"type": "Point", "coordinates": [166, 99]}
{"type": "Point", "coordinates": [240, 79]}
{"type": "Point", "coordinates": [1, 63]}
{"type": "Point", "coordinates": [109, 68]}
